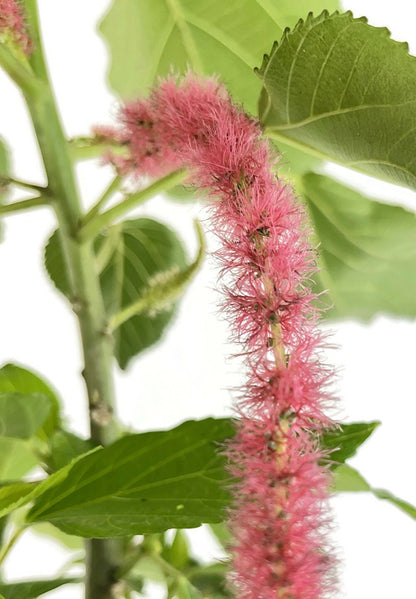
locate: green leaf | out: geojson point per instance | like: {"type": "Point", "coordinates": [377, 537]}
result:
{"type": "Point", "coordinates": [11, 494]}
{"type": "Point", "coordinates": [347, 479]}
{"type": "Point", "coordinates": [145, 568]}
{"type": "Point", "coordinates": [345, 441]}
{"type": "Point", "coordinates": [21, 416]}
{"type": "Point", "coordinates": [17, 494]}
{"type": "Point", "coordinates": [221, 533]}
{"type": "Point", "coordinates": [139, 251]}
{"type": "Point", "coordinates": [178, 552]}
{"type": "Point", "coordinates": [367, 251]}
{"type": "Point", "coordinates": [143, 483]}
{"type": "Point", "coordinates": [17, 379]}
{"type": "Point", "coordinates": [16, 458]}
{"type": "Point", "coordinates": [32, 589]}
{"type": "Point", "coordinates": [44, 529]}
{"type": "Point", "coordinates": [342, 89]}
{"type": "Point", "coordinates": [65, 446]}
{"type": "Point", "coordinates": [162, 290]}
{"type": "Point", "coordinates": [406, 507]}
{"type": "Point", "coordinates": [210, 580]}
{"type": "Point", "coordinates": [185, 590]}
{"type": "Point", "coordinates": [135, 583]}
{"type": "Point", "coordinates": [147, 39]}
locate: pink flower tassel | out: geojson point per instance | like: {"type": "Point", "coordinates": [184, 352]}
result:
{"type": "Point", "coordinates": [13, 26]}
{"type": "Point", "coordinates": [279, 519]}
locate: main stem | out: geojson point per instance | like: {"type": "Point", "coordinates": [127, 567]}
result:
{"type": "Point", "coordinates": [104, 556]}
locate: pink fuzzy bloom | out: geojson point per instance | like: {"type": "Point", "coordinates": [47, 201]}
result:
{"type": "Point", "coordinates": [12, 22]}
{"type": "Point", "coordinates": [279, 520]}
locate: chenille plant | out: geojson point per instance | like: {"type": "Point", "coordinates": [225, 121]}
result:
{"type": "Point", "coordinates": [202, 115]}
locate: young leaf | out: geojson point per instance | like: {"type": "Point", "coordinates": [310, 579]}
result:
{"type": "Point", "coordinates": [343, 89]}
{"type": "Point", "coordinates": [34, 588]}
{"type": "Point", "coordinates": [145, 568]}
{"type": "Point", "coordinates": [345, 441]}
{"type": "Point", "coordinates": [162, 291]}
{"type": "Point", "coordinates": [221, 533]}
{"type": "Point", "coordinates": [65, 446]}
{"type": "Point", "coordinates": [178, 552]}
{"type": "Point", "coordinates": [144, 250]}
{"type": "Point", "coordinates": [17, 379]}
{"type": "Point", "coordinates": [405, 506]}
{"type": "Point", "coordinates": [367, 251]}
{"type": "Point", "coordinates": [210, 580]}
{"type": "Point", "coordinates": [185, 590]}
{"type": "Point", "coordinates": [17, 494]}
{"type": "Point", "coordinates": [147, 39]}
{"type": "Point", "coordinates": [11, 494]}
{"type": "Point", "coordinates": [16, 458]}
{"type": "Point", "coordinates": [44, 529]}
{"type": "Point", "coordinates": [21, 416]}
{"type": "Point", "coordinates": [347, 479]}
{"type": "Point", "coordinates": [143, 483]}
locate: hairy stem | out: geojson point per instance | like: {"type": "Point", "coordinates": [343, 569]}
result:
{"type": "Point", "coordinates": [103, 555]}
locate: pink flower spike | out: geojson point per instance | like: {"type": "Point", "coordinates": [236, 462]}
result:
{"type": "Point", "coordinates": [12, 24]}
{"type": "Point", "coordinates": [279, 518]}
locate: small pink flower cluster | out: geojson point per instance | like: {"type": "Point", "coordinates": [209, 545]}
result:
{"type": "Point", "coordinates": [12, 22]}
{"type": "Point", "coordinates": [279, 519]}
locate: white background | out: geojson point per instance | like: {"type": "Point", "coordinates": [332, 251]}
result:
{"type": "Point", "coordinates": [189, 374]}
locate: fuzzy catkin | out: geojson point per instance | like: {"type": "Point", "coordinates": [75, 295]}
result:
{"type": "Point", "coordinates": [279, 517]}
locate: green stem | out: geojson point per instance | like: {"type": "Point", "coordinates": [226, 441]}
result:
{"type": "Point", "coordinates": [18, 72]}
{"type": "Point", "coordinates": [86, 148]}
{"type": "Point", "coordinates": [103, 555]}
{"type": "Point", "coordinates": [23, 184]}
{"type": "Point", "coordinates": [108, 192]}
{"type": "Point", "coordinates": [23, 205]}
{"type": "Point", "coordinates": [93, 227]}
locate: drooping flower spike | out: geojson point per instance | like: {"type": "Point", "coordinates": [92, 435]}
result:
{"type": "Point", "coordinates": [279, 518]}
{"type": "Point", "coordinates": [13, 26]}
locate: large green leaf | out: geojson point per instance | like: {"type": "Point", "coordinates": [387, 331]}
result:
{"type": "Point", "coordinates": [143, 483]}
{"type": "Point", "coordinates": [133, 255]}
{"type": "Point", "coordinates": [21, 416]}
{"type": "Point", "coordinates": [148, 37]}
{"type": "Point", "coordinates": [34, 588]}
{"type": "Point", "coordinates": [367, 251]}
{"type": "Point", "coordinates": [344, 442]}
{"type": "Point", "coordinates": [342, 88]}
{"type": "Point", "coordinates": [17, 379]}
{"type": "Point", "coordinates": [347, 479]}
